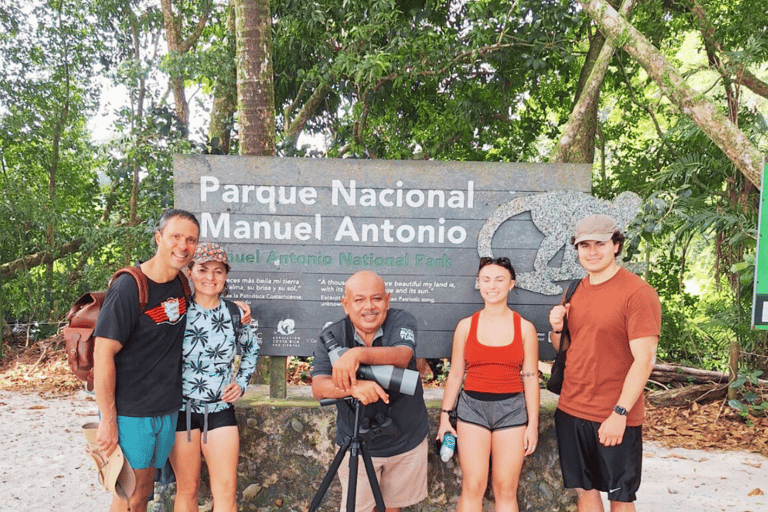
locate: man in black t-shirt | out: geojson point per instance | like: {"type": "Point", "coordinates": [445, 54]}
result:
{"type": "Point", "coordinates": [377, 335]}
{"type": "Point", "coordinates": [137, 358]}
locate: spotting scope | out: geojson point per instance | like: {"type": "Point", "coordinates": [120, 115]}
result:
{"type": "Point", "coordinates": [402, 380]}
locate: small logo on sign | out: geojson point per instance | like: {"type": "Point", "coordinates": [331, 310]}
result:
{"type": "Point", "coordinates": [287, 326]}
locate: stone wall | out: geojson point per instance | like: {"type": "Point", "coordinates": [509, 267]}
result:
{"type": "Point", "coordinates": [287, 447]}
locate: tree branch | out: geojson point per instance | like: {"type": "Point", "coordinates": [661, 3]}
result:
{"type": "Point", "coordinates": [717, 127]}
{"type": "Point", "coordinates": [307, 110]}
{"type": "Point", "coordinates": [742, 76]}
{"type": "Point", "coordinates": [588, 95]}
{"type": "Point", "coordinates": [739, 72]}
{"type": "Point", "coordinates": [39, 258]}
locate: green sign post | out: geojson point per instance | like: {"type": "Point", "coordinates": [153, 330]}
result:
{"type": "Point", "coordinates": [760, 297]}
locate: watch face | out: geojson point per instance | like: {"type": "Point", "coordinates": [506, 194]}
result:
{"type": "Point", "coordinates": [620, 410]}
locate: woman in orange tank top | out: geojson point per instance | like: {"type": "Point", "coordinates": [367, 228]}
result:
{"type": "Point", "coordinates": [498, 409]}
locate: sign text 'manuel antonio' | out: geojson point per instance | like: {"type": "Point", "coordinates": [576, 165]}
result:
{"type": "Point", "coordinates": [346, 228]}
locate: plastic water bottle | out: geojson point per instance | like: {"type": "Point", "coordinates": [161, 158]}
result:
{"type": "Point", "coordinates": [448, 447]}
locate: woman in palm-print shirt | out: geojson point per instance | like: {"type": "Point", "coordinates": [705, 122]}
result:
{"type": "Point", "coordinates": [207, 425]}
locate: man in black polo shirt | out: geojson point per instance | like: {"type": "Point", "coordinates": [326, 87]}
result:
{"type": "Point", "coordinates": [378, 335]}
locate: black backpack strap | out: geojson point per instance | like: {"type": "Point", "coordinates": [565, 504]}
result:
{"type": "Point", "coordinates": [565, 340]}
{"type": "Point", "coordinates": [571, 290]}
{"type": "Point", "coordinates": [237, 325]}
{"type": "Point", "coordinates": [349, 333]}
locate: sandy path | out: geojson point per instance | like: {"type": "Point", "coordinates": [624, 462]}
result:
{"type": "Point", "coordinates": [43, 465]}
{"type": "Point", "coordinates": [704, 481]}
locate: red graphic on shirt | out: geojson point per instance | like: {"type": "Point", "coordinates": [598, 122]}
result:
{"type": "Point", "coordinates": [168, 312]}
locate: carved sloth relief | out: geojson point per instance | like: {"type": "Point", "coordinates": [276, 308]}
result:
{"type": "Point", "coordinates": [555, 214]}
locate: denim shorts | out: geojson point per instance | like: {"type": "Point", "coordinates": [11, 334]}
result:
{"type": "Point", "coordinates": [147, 441]}
{"type": "Point", "coordinates": [493, 414]}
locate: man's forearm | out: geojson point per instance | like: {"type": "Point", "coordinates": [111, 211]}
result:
{"type": "Point", "coordinates": [397, 356]}
{"type": "Point", "coordinates": [105, 378]}
{"type": "Point", "coordinates": [323, 387]}
{"type": "Point", "coordinates": [635, 381]}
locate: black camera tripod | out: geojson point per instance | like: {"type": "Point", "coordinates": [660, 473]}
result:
{"type": "Point", "coordinates": [356, 446]}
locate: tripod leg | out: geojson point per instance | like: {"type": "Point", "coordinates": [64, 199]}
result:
{"type": "Point", "coordinates": [326, 483]}
{"type": "Point", "coordinates": [372, 478]}
{"type": "Point", "coordinates": [352, 485]}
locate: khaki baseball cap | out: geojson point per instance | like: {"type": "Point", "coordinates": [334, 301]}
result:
{"type": "Point", "coordinates": [599, 228]}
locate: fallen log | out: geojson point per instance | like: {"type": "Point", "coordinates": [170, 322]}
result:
{"type": "Point", "coordinates": [686, 395]}
{"type": "Point", "coordinates": [666, 373]}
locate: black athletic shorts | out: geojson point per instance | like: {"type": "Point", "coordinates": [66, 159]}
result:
{"type": "Point", "coordinates": [588, 465]}
{"type": "Point", "coordinates": [225, 418]}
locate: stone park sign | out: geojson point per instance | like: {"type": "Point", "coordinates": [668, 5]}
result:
{"type": "Point", "coordinates": [296, 229]}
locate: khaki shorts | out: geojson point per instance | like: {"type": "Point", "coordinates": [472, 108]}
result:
{"type": "Point", "coordinates": [402, 479]}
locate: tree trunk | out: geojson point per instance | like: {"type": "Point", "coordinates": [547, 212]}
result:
{"type": "Point", "coordinates": [137, 121]}
{"type": "Point", "coordinates": [255, 91]}
{"type": "Point", "coordinates": [717, 127]}
{"type": "Point", "coordinates": [577, 142]}
{"type": "Point", "coordinates": [53, 169]}
{"type": "Point", "coordinates": [256, 111]}
{"type": "Point", "coordinates": [178, 46]}
{"type": "Point", "coordinates": [680, 397]}
{"type": "Point", "coordinates": [733, 367]}
{"type": "Point", "coordinates": [666, 373]}
{"type": "Point", "coordinates": [224, 102]}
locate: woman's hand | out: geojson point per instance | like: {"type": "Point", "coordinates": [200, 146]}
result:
{"type": "Point", "coordinates": [246, 319]}
{"type": "Point", "coordinates": [232, 393]}
{"type": "Point", "coordinates": [530, 439]}
{"type": "Point", "coordinates": [445, 426]}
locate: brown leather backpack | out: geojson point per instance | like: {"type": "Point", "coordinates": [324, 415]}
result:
{"type": "Point", "coordinates": [81, 321]}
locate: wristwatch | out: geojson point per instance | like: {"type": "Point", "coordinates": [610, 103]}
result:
{"type": "Point", "coordinates": [620, 410]}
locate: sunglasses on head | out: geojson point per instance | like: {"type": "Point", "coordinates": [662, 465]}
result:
{"type": "Point", "coordinates": [502, 262]}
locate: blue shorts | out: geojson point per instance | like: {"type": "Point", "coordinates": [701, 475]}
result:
{"type": "Point", "coordinates": [147, 441]}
